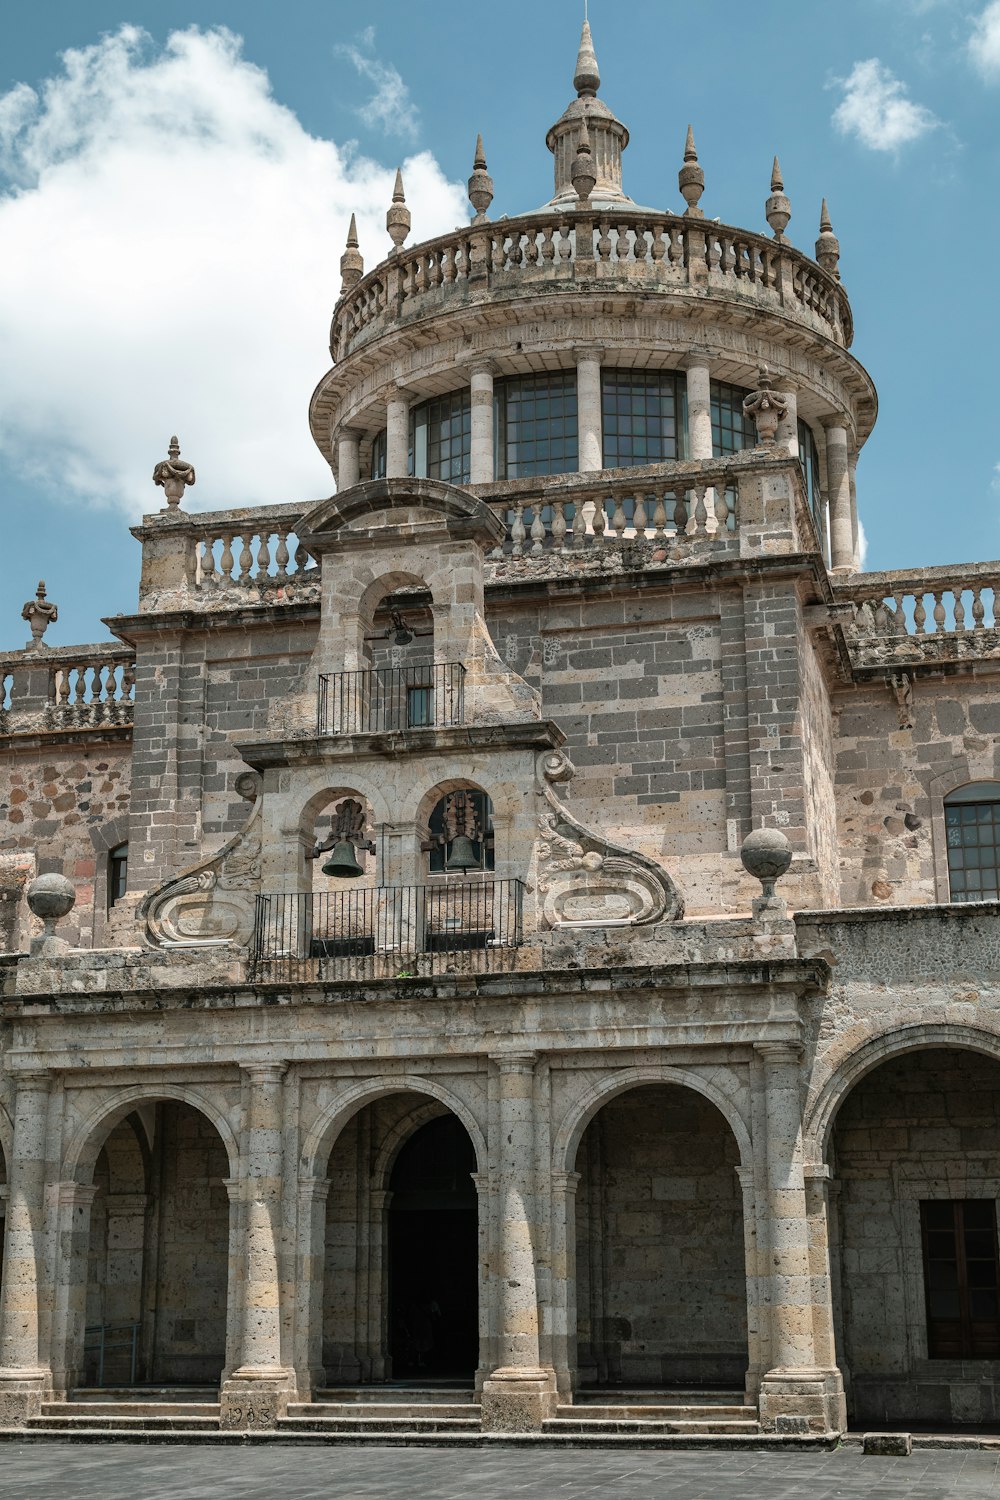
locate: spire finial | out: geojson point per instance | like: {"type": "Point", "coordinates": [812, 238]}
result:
{"type": "Point", "coordinates": [691, 179]}
{"type": "Point", "coordinates": [480, 184]}
{"type": "Point", "coordinates": [352, 266]}
{"type": "Point", "coordinates": [397, 220]}
{"type": "Point", "coordinates": [587, 77]}
{"type": "Point", "coordinates": [582, 173]}
{"type": "Point", "coordinates": [778, 209]}
{"type": "Point", "coordinates": [828, 245]}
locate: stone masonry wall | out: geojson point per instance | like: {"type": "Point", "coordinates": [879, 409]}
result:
{"type": "Point", "coordinates": [919, 1127]}
{"type": "Point", "coordinates": [661, 1288]}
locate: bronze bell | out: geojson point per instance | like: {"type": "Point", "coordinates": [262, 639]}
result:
{"type": "Point", "coordinates": [462, 854]}
{"type": "Point", "coordinates": [343, 862]}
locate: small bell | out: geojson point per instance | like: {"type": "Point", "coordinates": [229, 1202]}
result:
{"type": "Point", "coordinates": [343, 862]}
{"type": "Point", "coordinates": [462, 854]}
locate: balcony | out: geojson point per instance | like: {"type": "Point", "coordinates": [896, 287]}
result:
{"type": "Point", "coordinates": [392, 698]}
{"type": "Point", "coordinates": [388, 932]}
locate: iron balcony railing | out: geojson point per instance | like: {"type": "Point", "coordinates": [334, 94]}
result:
{"type": "Point", "coordinates": [386, 698]}
{"type": "Point", "coordinates": [388, 932]}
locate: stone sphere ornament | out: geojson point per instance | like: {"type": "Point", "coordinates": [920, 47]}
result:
{"type": "Point", "coordinates": [766, 855]}
{"type": "Point", "coordinates": [51, 897]}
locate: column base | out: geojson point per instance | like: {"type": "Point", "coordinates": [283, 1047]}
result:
{"type": "Point", "coordinates": [21, 1395]}
{"type": "Point", "coordinates": [802, 1401]}
{"type": "Point", "coordinates": [518, 1400]}
{"type": "Point", "coordinates": [255, 1399]}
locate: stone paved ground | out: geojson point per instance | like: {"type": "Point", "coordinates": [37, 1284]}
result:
{"type": "Point", "coordinates": [123, 1472]}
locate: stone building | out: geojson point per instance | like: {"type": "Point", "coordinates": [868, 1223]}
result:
{"type": "Point", "coordinates": [387, 1075]}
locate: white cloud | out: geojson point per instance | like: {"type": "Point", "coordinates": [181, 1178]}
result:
{"type": "Point", "coordinates": [390, 107]}
{"type": "Point", "coordinates": [862, 544]}
{"type": "Point", "coordinates": [876, 110]}
{"type": "Point", "coordinates": [984, 44]}
{"type": "Point", "coordinates": [171, 242]}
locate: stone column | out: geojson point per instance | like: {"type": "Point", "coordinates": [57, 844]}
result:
{"type": "Point", "coordinates": [838, 484]}
{"type": "Point", "coordinates": [310, 1374]}
{"type": "Point", "coordinates": [817, 1181]}
{"type": "Point", "coordinates": [564, 1186]}
{"type": "Point", "coordinates": [787, 435]}
{"type": "Point", "coordinates": [348, 458]}
{"type": "Point", "coordinates": [24, 1376]}
{"type": "Point", "coordinates": [751, 1253]}
{"type": "Point", "coordinates": [519, 1394]}
{"type": "Point", "coordinates": [72, 1203]}
{"type": "Point", "coordinates": [397, 433]}
{"type": "Point", "coordinates": [852, 477]}
{"type": "Point", "coordinates": [797, 1394]}
{"type": "Point", "coordinates": [258, 1391]}
{"type": "Point", "coordinates": [589, 417]}
{"type": "Point", "coordinates": [699, 406]}
{"type": "Point", "coordinates": [481, 423]}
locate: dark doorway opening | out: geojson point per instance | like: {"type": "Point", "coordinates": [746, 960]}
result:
{"type": "Point", "coordinates": [434, 1255]}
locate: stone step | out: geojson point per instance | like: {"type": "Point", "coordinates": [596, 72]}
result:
{"type": "Point", "coordinates": [668, 1412]}
{"type": "Point", "coordinates": [625, 1426]}
{"type": "Point", "coordinates": [715, 1442]}
{"type": "Point", "coordinates": [121, 1420]}
{"type": "Point", "coordinates": [617, 1395]}
{"type": "Point", "coordinates": [145, 1393]}
{"type": "Point", "coordinates": [361, 1423]}
{"type": "Point", "coordinates": [86, 1411]}
{"type": "Point", "coordinates": [398, 1410]}
{"type": "Point", "coordinates": [368, 1394]}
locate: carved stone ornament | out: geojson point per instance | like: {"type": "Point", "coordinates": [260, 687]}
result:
{"type": "Point", "coordinates": [584, 880]}
{"type": "Point", "coordinates": [767, 407]}
{"type": "Point", "coordinates": [40, 614]}
{"type": "Point", "coordinates": [173, 474]}
{"type": "Point", "coordinates": [212, 902]}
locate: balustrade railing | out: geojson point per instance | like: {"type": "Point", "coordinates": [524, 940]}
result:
{"type": "Point", "coordinates": [88, 691]}
{"type": "Point", "coordinates": [252, 557]}
{"type": "Point", "coordinates": [388, 931]}
{"type": "Point", "coordinates": [927, 613]}
{"type": "Point", "coordinates": [661, 248]}
{"type": "Point", "coordinates": [84, 687]}
{"type": "Point", "coordinates": [388, 698]}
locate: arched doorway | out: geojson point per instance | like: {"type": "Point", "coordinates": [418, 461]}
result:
{"type": "Point", "coordinates": [433, 1254]}
{"type": "Point", "coordinates": [402, 1246]}
{"type": "Point", "coordinates": [915, 1156]}
{"type": "Point", "coordinates": [158, 1256]}
{"type": "Point", "coordinates": [660, 1257]}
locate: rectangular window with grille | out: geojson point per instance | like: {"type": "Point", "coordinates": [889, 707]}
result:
{"type": "Point", "coordinates": [961, 1278]}
{"type": "Point", "coordinates": [441, 438]}
{"type": "Point", "coordinates": [642, 417]}
{"type": "Point", "coordinates": [731, 430]}
{"type": "Point", "coordinates": [535, 427]}
{"type": "Point", "coordinates": [973, 835]}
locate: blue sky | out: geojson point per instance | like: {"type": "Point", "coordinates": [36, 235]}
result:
{"type": "Point", "coordinates": [173, 205]}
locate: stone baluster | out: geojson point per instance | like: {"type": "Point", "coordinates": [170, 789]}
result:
{"type": "Point", "coordinates": [537, 529]}
{"type": "Point", "coordinates": [599, 522]}
{"type": "Point", "coordinates": [938, 611]}
{"type": "Point", "coordinates": [589, 414]}
{"type": "Point", "coordinates": [481, 423]}
{"type": "Point", "coordinates": [348, 458]}
{"type": "Point", "coordinates": [24, 1376]}
{"type": "Point", "coordinates": [639, 515]}
{"type": "Point", "coordinates": [680, 512]}
{"type": "Point", "coordinates": [619, 520]}
{"type": "Point", "coordinates": [659, 515]}
{"type": "Point", "coordinates": [281, 557]}
{"type": "Point", "coordinates": [227, 560]}
{"type": "Point", "coordinates": [246, 557]}
{"type": "Point", "coordinates": [264, 557]}
{"type": "Point", "coordinates": [208, 579]}
{"type": "Point", "coordinates": [919, 615]}
{"type": "Point", "coordinates": [519, 1395]}
{"type": "Point", "coordinates": [699, 405]}
{"type": "Point", "coordinates": [559, 525]}
{"type": "Point", "coordinates": [517, 529]}
{"type": "Point", "coordinates": [839, 490]}
{"type": "Point", "coordinates": [579, 525]}
{"type": "Point", "coordinates": [258, 1390]}
{"type": "Point", "coordinates": [795, 1387]}
{"type": "Point", "coordinates": [978, 607]}
{"type": "Point", "coordinates": [720, 501]}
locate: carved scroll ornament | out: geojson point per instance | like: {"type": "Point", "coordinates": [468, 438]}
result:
{"type": "Point", "coordinates": [585, 880]}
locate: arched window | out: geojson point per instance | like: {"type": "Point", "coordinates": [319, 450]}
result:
{"type": "Point", "coordinates": [643, 416]}
{"type": "Point", "coordinates": [972, 827]}
{"type": "Point", "coordinates": [461, 833]}
{"type": "Point", "coordinates": [117, 873]}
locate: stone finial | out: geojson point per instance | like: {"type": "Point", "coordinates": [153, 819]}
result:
{"type": "Point", "coordinates": [586, 78]}
{"type": "Point", "coordinates": [173, 474]}
{"type": "Point", "coordinates": [767, 407]}
{"type": "Point", "coordinates": [778, 209]}
{"type": "Point", "coordinates": [766, 855]}
{"type": "Point", "coordinates": [40, 614]}
{"type": "Point", "coordinates": [480, 184]}
{"type": "Point", "coordinates": [50, 897]}
{"type": "Point", "coordinates": [691, 179]}
{"type": "Point", "coordinates": [582, 174]}
{"type": "Point", "coordinates": [398, 219]}
{"type": "Point", "coordinates": [828, 245]}
{"type": "Point", "coordinates": [352, 266]}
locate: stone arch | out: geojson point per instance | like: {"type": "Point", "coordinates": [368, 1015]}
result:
{"type": "Point", "coordinates": [578, 1117]}
{"type": "Point", "coordinates": [398, 1136]}
{"type": "Point", "coordinates": [462, 512]}
{"type": "Point", "coordinates": [85, 1146]}
{"type": "Point", "coordinates": [381, 587]}
{"type": "Point", "coordinates": [921, 1036]}
{"type": "Point", "coordinates": [322, 1136]}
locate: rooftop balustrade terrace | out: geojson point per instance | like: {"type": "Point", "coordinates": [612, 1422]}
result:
{"type": "Point", "coordinates": [627, 248]}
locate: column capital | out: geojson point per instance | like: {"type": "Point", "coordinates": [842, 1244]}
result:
{"type": "Point", "coordinates": [833, 421]}
{"type": "Point", "coordinates": [480, 366]}
{"type": "Point", "coordinates": [260, 1073]}
{"type": "Point", "coordinates": [73, 1194]}
{"type": "Point", "coordinates": [565, 1182]}
{"type": "Point", "coordinates": [817, 1171]}
{"type": "Point", "coordinates": [514, 1062]}
{"type": "Point", "coordinates": [38, 1080]}
{"type": "Point", "coordinates": [232, 1186]}
{"type": "Point", "coordinates": [588, 352]}
{"type": "Point", "coordinates": [698, 359]}
{"type": "Point", "coordinates": [746, 1177]}
{"type": "Point", "coordinates": [314, 1189]}
{"type": "Point", "coordinates": [350, 434]}
{"type": "Point", "coordinates": [394, 391]}
{"type": "Point", "coordinates": [777, 1053]}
